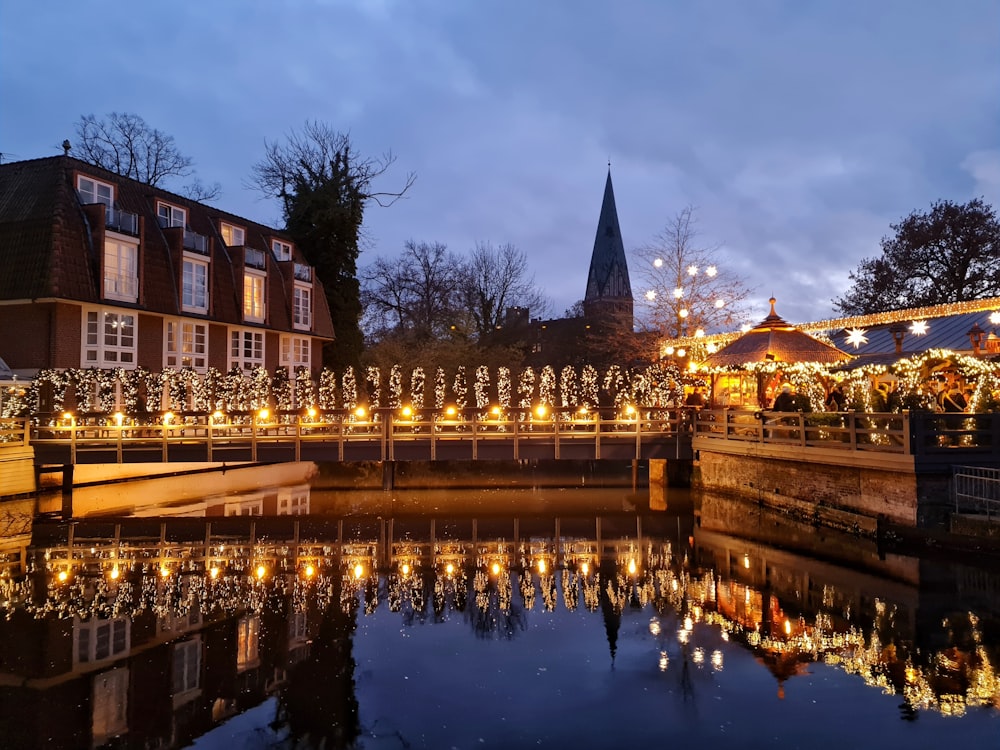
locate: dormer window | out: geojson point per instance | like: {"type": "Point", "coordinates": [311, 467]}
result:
{"type": "Point", "coordinates": [282, 250]}
{"type": "Point", "coordinates": [302, 307]}
{"type": "Point", "coordinates": [171, 216]}
{"type": "Point", "coordinates": [93, 191]}
{"type": "Point", "coordinates": [121, 262]}
{"type": "Point", "coordinates": [232, 235]}
{"type": "Point", "coordinates": [253, 297]}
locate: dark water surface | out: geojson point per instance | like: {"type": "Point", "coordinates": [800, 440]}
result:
{"type": "Point", "coordinates": [297, 616]}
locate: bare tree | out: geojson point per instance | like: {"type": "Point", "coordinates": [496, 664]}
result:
{"type": "Point", "coordinates": [414, 296]}
{"type": "Point", "coordinates": [495, 279]}
{"type": "Point", "coordinates": [123, 143]}
{"type": "Point", "coordinates": [686, 289]}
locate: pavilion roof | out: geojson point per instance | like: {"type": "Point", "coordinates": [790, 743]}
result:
{"type": "Point", "coordinates": [773, 339]}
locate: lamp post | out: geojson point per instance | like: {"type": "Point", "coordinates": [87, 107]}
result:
{"type": "Point", "coordinates": [976, 337]}
{"type": "Point", "coordinates": [898, 331]}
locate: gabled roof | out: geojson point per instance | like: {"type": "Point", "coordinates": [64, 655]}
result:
{"type": "Point", "coordinates": [775, 340]}
{"type": "Point", "coordinates": [608, 276]}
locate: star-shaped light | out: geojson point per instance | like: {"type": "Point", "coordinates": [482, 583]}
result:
{"type": "Point", "coordinates": [692, 270]}
{"type": "Point", "coordinates": [856, 337]}
{"type": "Point", "coordinates": [711, 271]}
{"type": "Point", "coordinates": [651, 295]}
{"type": "Point", "coordinates": [995, 317]}
{"type": "Point", "coordinates": [918, 327]}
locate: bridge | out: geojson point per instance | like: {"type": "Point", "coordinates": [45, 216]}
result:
{"type": "Point", "coordinates": [566, 433]}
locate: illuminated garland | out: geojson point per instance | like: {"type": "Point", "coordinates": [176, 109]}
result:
{"type": "Point", "coordinates": [417, 382]}
{"type": "Point", "coordinates": [373, 379]}
{"type": "Point", "coordinates": [567, 386]}
{"type": "Point", "coordinates": [395, 387]}
{"type": "Point", "coordinates": [328, 389]}
{"type": "Point", "coordinates": [588, 386]}
{"type": "Point", "coordinates": [439, 388]}
{"type": "Point", "coordinates": [526, 388]}
{"type": "Point", "coordinates": [503, 387]}
{"type": "Point", "coordinates": [281, 388]}
{"type": "Point", "coordinates": [305, 389]}
{"type": "Point", "coordinates": [482, 387]}
{"type": "Point", "coordinates": [459, 388]}
{"type": "Point", "coordinates": [547, 386]}
{"type": "Point", "coordinates": [350, 388]}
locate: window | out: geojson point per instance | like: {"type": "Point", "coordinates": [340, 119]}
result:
{"type": "Point", "coordinates": [293, 501]}
{"type": "Point", "coordinates": [110, 705]}
{"type": "Point", "coordinates": [92, 191]}
{"type": "Point", "coordinates": [187, 345]}
{"type": "Point", "coordinates": [253, 297]}
{"type": "Point", "coordinates": [99, 640]}
{"type": "Point", "coordinates": [246, 349]}
{"type": "Point", "coordinates": [302, 307]}
{"type": "Point", "coordinates": [121, 280]}
{"type": "Point", "coordinates": [108, 339]}
{"type": "Point", "coordinates": [186, 667]}
{"type": "Point", "coordinates": [298, 630]}
{"type": "Point", "coordinates": [248, 629]}
{"type": "Point", "coordinates": [282, 250]}
{"type": "Point", "coordinates": [233, 236]}
{"type": "Point", "coordinates": [294, 352]}
{"type": "Point", "coordinates": [194, 285]}
{"type": "Point", "coordinates": [171, 216]}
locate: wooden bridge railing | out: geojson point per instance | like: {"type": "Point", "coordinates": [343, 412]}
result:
{"type": "Point", "coordinates": [388, 428]}
{"type": "Point", "coordinates": [930, 436]}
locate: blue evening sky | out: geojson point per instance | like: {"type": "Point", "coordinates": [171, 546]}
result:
{"type": "Point", "coordinates": [798, 131]}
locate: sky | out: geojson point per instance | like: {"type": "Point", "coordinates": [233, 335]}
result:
{"type": "Point", "coordinates": [798, 132]}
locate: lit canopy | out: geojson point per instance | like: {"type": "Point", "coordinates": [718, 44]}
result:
{"type": "Point", "coordinates": [775, 340]}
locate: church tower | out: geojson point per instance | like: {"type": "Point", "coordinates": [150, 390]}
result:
{"type": "Point", "coordinates": [609, 291]}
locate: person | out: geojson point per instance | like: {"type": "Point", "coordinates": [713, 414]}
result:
{"type": "Point", "coordinates": [837, 399]}
{"type": "Point", "coordinates": [784, 401]}
{"type": "Point", "coordinates": [954, 400]}
{"type": "Point", "coordinates": [696, 397]}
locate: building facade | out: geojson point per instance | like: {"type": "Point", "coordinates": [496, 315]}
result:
{"type": "Point", "coordinates": [98, 270]}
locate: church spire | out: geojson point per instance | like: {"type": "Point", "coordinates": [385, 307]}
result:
{"type": "Point", "coordinates": [608, 285]}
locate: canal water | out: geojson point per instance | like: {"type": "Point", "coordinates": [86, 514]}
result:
{"type": "Point", "coordinates": [272, 611]}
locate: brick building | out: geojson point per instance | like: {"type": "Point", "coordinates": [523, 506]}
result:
{"type": "Point", "coordinates": [98, 270]}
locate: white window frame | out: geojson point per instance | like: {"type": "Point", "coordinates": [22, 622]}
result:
{"type": "Point", "coordinates": [296, 351]}
{"type": "Point", "coordinates": [302, 307]}
{"type": "Point", "coordinates": [232, 235]}
{"type": "Point", "coordinates": [247, 642]}
{"type": "Point", "coordinates": [185, 344]}
{"type": "Point", "coordinates": [121, 268]}
{"type": "Point", "coordinates": [105, 347]}
{"type": "Point", "coordinates": [176, 217]}
{"type": "Point", "coordinates": [254, 301]}
{"type": "Point", "coordinates": [99, 640]}
{"type": "Point", "coordinates": [246, 348]}
{"type": "Point", "coordinates": [293, 501]}
{"type": "Point", "coordinates": [282, 250]}
{"type": "Point", "coordinates": [190, 267]}
{"type": "Point", "coordinates": [186, 670]}
{"type": "Point", "coordinates": [90, 191]}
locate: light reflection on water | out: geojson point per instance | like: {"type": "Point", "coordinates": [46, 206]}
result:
{"type": "Point", "coordinates": [604, 624]}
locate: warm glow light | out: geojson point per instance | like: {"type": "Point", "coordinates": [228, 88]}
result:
{"type": "Point", "coordinates": [311, 411]}
{"type": "Point", "coordinates": [746, 561]}
{"type": "Point", "coordinates": [495, 411]}
{"type": "Point", "coordinates": [681, 352]}
{"type": "Point", "coordinates": [168, 417]}
{"type": "Point", "coordinates": [449, 569]}
{"type": "Point", "coordinates": [583, 411]}
{"type": "Point", "coordinates": [629, 409]}
{"type": "Point", "coordinates": [217, 415]}
{"type": "Point", "coordinates": [540, 411]}
{"type": "Point", "coordinates": [261, 571]}
{"type": "Point", "coordinates": [745, 327]}
{"type": "Point", "coordinates": [360, 412]}
{"type": "Point", "coordinates": [711, 347]}
{"type": "Point", "coordinates": [692, 270]}
{"type": "Point", "coordinates": [68, 416]}
{"type": "Point", "coordinates": [788, 628]}
{"type": "Point", "coordinates": [119, 418]}
{"type": "Point", "coordinates": [585, 568]}
{"type": "Point", "coordinates": [310, 571]}
{"type": "Point", "coordinates": [918, 327]}
{"type": "Point", "coordinates": [679, 292]}
{"type": "Point", "coordinates": [711, 271]}
{"type": "Point", "coordinates": [63, 575]}
{"type": "Point", "coordinates": [658, 262]}
{"type": "Point", "coordinates": [631, 566]}
{"type": "Point", "coordinates": [358, 570]}
{"type": "Point", "coordinates": [495, 569]}
{"type": "Point", "coordinates": [114, 573]}
{"type": "Point", "coordinates": [688, 624]}
{"type": "Point", "coordinates": [683, 312]}
{"type": "Point", "coordinates": [669, 351]}
{"type": "Point", "coordinates": [856, 337]}
{"type": "Point", "coordinates": [450, 411]}
{"type": "Point", "coordinates": [541, 566]}
{"type": "Point", "coordinates": [407, 412]}
{"type": "Point", "coordinates": [720, 303]}
{"type": "Point", "coordinates": [995, 317]}
{"type": "Point", "coordinates": [164, 571]}
{"type": "Point", "coordinates": [263, 414]}
{"type": "Point", "coordinates": [651, 295]}
{"type": "Point", "coordinates": [699, 333]}
{"type": "Point", "coordinates": [405, 569]}
{"type": "Point", "coordinates": [214, 572]}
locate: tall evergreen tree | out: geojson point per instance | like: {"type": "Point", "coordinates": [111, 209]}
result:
{"type": "Point", "coordinates": [324, 188]}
